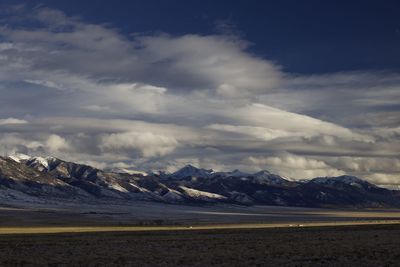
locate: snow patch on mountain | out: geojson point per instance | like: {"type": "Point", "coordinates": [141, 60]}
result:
{"type": "Point", "coordinates": [18, 157]}
{"type": "Point", "coordinates": [127, 171]}
{"type": "Point", "coordinates": [138, 188]}
{"type": "Point", "coordinates": [117, 187]}
{"type": "Point", "coordinates": [202, 195]}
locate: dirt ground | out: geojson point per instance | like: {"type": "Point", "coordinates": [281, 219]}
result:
{"type": "Point", "coordinates": [367, 245]}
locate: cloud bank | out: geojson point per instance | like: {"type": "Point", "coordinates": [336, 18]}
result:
{"type": "Point", "coordinates": [86, 92]}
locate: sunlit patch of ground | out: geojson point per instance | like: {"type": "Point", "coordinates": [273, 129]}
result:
{"type": "Point", "coordinates": [89, 229]}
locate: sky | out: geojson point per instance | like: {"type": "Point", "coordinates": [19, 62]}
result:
{"type": "Point", "coordinates": [299, 88]}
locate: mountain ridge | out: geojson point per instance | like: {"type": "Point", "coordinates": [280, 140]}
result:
{"type": "Point", "coordinates": [27, 178]}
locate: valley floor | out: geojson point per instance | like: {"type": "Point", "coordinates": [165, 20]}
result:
{"type": "Point", "coordinates": [367, 245]}
{"type": "Point", "coordinates": [155, 234]}
{"type": "Point", "coordinates": [138, 213]}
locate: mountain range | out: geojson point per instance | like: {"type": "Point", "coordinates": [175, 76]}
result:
{"type": "Point", "coordinates": [32, 179]}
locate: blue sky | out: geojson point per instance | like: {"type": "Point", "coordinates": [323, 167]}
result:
{"type": "Point", "coordinates": [301, 88]}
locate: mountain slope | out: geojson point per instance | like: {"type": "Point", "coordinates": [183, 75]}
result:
{"type": "Point", "coordinates": [18, 180]}
{"type": "Point", "coordinates": [36, 178]}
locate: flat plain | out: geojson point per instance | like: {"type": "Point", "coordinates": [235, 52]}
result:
{"type": "Point", "coordinates": [366, 245]}
{"type": "Point", "coordinates": [155, 234]}
{"type": "Point", "coordinates": [150, 214]}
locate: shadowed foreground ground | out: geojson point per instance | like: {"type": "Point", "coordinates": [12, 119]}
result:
{"type": "Point", "coordinates": [367, 245]}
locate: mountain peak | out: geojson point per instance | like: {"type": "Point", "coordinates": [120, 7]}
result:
{"type": "Point", "coordinates": [262, 172]}
{"type": "Point", "coordinates": [265, 176]}
{"type": "Point", "coordinates": [346, 179]}
{"type": "Point", "coordinates": [237, 173]}
{"type": "Point", "coordinates": [190, 170]}
{"type": "Point", "coordinates": [189, 167]}
{"type": "Point", "coordinates": [43, 163]}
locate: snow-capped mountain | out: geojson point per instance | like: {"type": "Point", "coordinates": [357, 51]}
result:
{"type": "Point", "coordinates": [26, 178]}
{"type": "Point", "coordinates": [235, 173]}
{"type": "Point", "coordinates": [346, 179]}
{"type": "Point", "coordinates": [269, 178]}
{"type": "Point", "coordinates": [191, 171]}
{"type": "Point", "coordinates": [40, 163]}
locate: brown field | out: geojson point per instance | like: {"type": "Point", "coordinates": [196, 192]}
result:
{"type": "Point", "coordinates": [364, 245]}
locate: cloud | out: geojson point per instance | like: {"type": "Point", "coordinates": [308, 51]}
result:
{"type": "Point", "coordinates": [296, 167]}
{"type": "Point", "coordinates": [10, 143]}
{"type": "Point", "coordinates": [97, 108]}
{"type": "Point", "coordinates": [149, 144]}
{"type": "Point", "coordinates": [257, 114]}
{"type": "Point", "coordinates": [210, 62]}
{"type": "Point", "coordinates": [361, 99]}
{"type": "Point", "coordinates": [89, 93]}
{"type": "Point", "coordinates": [56, 143]}
{"type": "Point", "coordinates": [12, 121]}
{"type": "Point", "coordinates": [189, 62]}
{"type": "Point", "coordinates": [384, 179]}
{"type": "Point", "coordinates": [261, 133]}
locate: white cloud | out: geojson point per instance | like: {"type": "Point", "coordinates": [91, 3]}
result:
{"type": "Point", "coordinates": [296, 167]}
{"type": "Point", "coordinates": [11, 143]}
{"type": "Point", "coordinates": [56, 143]}
{"type": "Point", "coordinates": [12, 121]}
{"type": "Point", "coordinates": [213, 62]}
{"type": "Point", "coordinates": [262, 133]}
{"type": "Point", "coordinates": [368, 164]}
{"type": "Point", "coordinates": [384, 179]}
{"type": "Point", "coordinates": [148, 143]}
